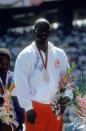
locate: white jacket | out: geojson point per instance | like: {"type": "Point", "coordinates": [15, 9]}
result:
{"type": "Point", "coordinates": [28, 75]}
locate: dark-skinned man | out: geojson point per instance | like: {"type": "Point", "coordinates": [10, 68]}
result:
{"type": "Point", "coordinates": [37, 73]}
{"type": "Point", "coordinates": [6, 82]}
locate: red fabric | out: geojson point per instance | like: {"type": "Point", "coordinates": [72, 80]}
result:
{"type": "Point", "coordinates": [46, 119]}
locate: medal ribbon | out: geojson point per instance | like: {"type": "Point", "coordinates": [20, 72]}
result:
{"type": "Point", "coordinates": [46, 63]}
{"type": "Point", "coordinates": [7, 81]}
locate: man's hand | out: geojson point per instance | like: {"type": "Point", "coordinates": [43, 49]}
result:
{"type": "Point", "coordinates": [64, 101]}
{"type": "Point", "coordinates": [31, 116]}
{"type": "Point", "coordinates": [59, 105]}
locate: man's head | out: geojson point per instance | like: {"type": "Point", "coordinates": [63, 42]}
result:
{"type": "Point", "coordinates": [4, 61]}
{"type": "Point", "coordinates": [41, 29]}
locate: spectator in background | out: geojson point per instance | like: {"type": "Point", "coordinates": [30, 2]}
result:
{"type": "Point", "coordinates": [37, 74]}
{"type": "Point", "coordinates": [6, 81]}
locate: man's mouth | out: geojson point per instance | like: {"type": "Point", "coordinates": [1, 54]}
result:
{"type": "Point", "coordinates": [43, 36]}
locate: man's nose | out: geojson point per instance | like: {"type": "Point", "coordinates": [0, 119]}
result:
{"type": "Point", "coordinates": [44, 33]}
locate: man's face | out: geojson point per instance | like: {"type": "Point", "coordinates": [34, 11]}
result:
{"type": "Point", "coordinates": [4, 65]}
{"type": "Point", "coordinates": [42, 31]}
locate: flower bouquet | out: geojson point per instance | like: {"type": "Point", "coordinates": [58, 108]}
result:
{"type": "Point", "coordinates": [71, 96]}
{"type": "Point", "coordinates": [64, 95]}
{"type": "Point", "coordinates": [6, 107]}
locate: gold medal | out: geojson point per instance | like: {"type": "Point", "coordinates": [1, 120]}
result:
{"type": "Point", "coordinates": [46, 77]}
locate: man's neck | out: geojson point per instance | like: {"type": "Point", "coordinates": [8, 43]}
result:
{"type": "Point", "coordinates": [42, 46]}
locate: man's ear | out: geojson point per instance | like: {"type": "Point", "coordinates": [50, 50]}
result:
{"type": "Point", "coordinates": [33, 29]}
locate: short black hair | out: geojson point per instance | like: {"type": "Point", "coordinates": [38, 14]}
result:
{"type": "Point", "coordinates": [4, 53]}
{"type": "Point", "coordinates": [38, 21]}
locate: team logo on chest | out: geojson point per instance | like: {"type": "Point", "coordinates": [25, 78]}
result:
{"type": "Point", "coordinates": [57, 64]}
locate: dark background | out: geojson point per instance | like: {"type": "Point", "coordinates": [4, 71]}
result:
{"type": "Point", "coordinates": [62, 11]}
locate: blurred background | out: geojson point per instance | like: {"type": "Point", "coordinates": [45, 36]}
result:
{"type": "Point", "coordinates": [68, 28]}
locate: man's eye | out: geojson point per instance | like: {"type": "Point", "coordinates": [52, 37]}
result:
{"type": "Point", "coordinates": [39, 30]}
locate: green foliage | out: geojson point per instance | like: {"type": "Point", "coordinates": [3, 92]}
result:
{"type": "Point", "coordinates": [82, 88]}
{"type": "Point", "coordinates": [70, 70]}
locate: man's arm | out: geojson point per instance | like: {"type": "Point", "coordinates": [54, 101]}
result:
{"type": "Point", "coordinates": [22, 90]}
